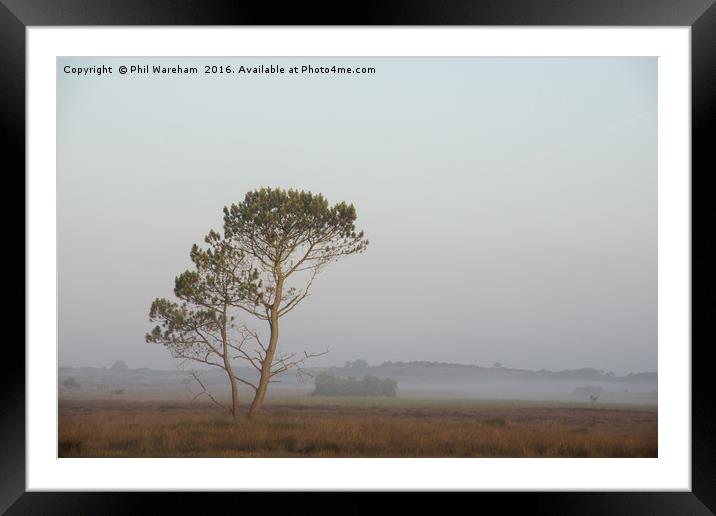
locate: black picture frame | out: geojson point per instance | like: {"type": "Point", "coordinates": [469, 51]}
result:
{"type": "Point", "coordinates": [700, 15]}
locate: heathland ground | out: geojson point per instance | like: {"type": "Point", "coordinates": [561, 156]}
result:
{"type": "Point", "coordinates": [120, 425]}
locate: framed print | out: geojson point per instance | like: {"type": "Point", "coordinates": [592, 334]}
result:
{"type": "Point", "coordinates": [440, 249]}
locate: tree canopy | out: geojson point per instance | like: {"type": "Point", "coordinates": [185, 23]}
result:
{"type": "Point", "coordinates": [288, 232]}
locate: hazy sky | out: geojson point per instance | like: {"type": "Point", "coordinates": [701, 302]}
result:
{"type": "Point", "coordinates": [511, 204]}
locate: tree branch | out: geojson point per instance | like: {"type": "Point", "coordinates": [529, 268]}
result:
{"type": "Point", "coordinates": [205, 391]}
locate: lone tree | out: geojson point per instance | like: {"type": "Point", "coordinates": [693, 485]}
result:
{"type": "Point", "coordinates": [119, 365]}
{"type": "Point", "coordinates": [291, 236]}
{"type": "Point", "coordinates": [201, 327]}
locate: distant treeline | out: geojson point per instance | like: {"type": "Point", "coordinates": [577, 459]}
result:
{"type": "Point", "coordinates": [585, 373]}
{"type": "Point", "coordinates": [408, 374]}
{"type": "Point", "coordinates": [330, 385]}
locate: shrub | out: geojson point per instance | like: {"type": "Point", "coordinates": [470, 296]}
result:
{"type": "Point", "coordinates": [71, 383]}
{"type": "Point", "coordinates": [330, 385]}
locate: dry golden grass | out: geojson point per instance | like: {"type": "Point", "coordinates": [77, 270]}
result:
{"type": "Point", "coordinates": [115, 428]}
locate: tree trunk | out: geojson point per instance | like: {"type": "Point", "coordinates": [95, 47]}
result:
{"type": "Point", "coordinates": [270, 352]}
{"type": "Point", "coordinates": [234, 396]}
{"type": "Point", "coordinates": [265, 368]}
{"type": "Point", "coordinates": [230, 372]}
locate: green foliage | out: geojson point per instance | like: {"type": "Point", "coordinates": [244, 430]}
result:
{"type": "Point", "coordinates": [196, 326]}
{"type": "Point", "coordinates": [330, 385]}
{"type": "Point", "coordinates": [179, 323]}
{"type": "Point", "coordinates": [222, 275]}
{"type": "Point", "coordinates": [293, 228]}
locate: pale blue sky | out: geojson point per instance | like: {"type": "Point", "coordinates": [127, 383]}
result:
{"type": "Point", "coordinates": [510, 203]}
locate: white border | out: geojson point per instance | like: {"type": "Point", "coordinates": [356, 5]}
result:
{"type": "Point", "coordinates": [670, 471]}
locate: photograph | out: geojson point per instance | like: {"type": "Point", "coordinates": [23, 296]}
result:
{"type": "Point", "coordinates": [406, 248]}
{"type": "Point", "coordinates": [376, 257]}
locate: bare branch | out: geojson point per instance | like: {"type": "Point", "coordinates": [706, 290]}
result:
{"type": "Point", "coordinates": [205, 391]}
{"type": "Point", "coordinates": [247, 383]}
{"type": "Point", "coordinates": [284, 364]}
{"type": "Point", "coordinates": [299, 297]}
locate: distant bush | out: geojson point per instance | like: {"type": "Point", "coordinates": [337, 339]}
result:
{"type": "Point", "coordinates": [330, 385]}
{"type": "Point", "coordinates": [71, 383]}
{"type": "Point", "coordinates": [119, 365]}
{"type": "Point", "coordinates": [588, 392]}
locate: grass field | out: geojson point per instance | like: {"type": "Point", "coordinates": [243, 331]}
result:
{"type": "Point", "coordinates": [355, 427]}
